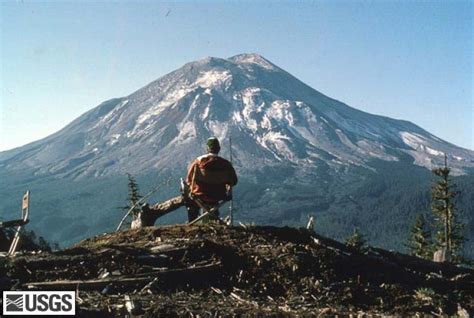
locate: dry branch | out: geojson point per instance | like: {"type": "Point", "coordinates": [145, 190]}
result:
{"type": "Point", "coordinates": [178, 275]}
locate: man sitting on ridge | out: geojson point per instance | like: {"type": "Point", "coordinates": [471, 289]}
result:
{"type": "Point", "coordinates": [210, 179]}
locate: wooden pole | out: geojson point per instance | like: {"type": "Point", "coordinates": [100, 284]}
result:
{"type": "Point", "coordinates": [231, 206]}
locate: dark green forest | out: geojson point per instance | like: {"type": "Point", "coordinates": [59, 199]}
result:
{"type": "Point", "coordinates": [381, 203]}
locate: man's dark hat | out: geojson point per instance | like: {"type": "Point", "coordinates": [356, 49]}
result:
{"type": "Point", "coordinates": [213, 144]}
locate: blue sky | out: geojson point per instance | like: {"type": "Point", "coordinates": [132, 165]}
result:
{"type": "Point", "coordinates": [410, 60]}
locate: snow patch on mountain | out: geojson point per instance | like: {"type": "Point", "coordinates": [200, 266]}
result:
{"type": "Point", "coordinates": [187, 131]}
{"type": "Point", "coordinates": [113, 139]}
{"type": "Point", "coordinates": [153, 111]}
{"type": "Point", "coordinates": [237, 117]}
{"type": "Point", "coordinates": [214, 78]}
{"type": "Point", "coordinates": [275, 142]}
{"type": "Point", "coordinates": [253, 59]}
{"type": "Point", "coordinates": [431, 151]}
{"type": "Point", "coordinates": [205, 114]}
{"type": "Point", "coordinates": [110, 115]}
{"type": "Point", "coordinates": [412, 139]}
{"type": "Point", "coordinates": [218, 129]}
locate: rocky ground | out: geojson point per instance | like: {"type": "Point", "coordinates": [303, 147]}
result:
{"type": "Point", "coordinates": [215, 270]}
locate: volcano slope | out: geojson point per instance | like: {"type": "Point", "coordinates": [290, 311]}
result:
{"type": "Point", "coordinates": [215, 270]}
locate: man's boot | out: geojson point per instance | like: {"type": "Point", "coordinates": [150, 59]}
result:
{"type": "Point", "coordinates": [193, 212]}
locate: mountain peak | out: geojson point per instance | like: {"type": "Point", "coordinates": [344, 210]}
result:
{"type": "Point", "coordinates": [277, 119]}
{"type": "Point", "coordinates": [253, 58]}
{"type": "Point", "coordinates": [240, 59]}
{"type": "Point", "coordinates": [210, 60]}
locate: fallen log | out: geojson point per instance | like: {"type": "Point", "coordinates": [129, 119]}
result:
{"type": "Point", "coordinates": [149, 214]}
{"type": "Point", "coordinates": [202, 273]}
{"type": "Point", "coordinates": [422, 265]}
{"type": "Point", "coordinates": [85, 284]}
{"type": "Point", "coordinates": [51, 261]}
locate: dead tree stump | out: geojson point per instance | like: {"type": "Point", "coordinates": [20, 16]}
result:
{"type": "Point", "coordinates": [149, 214]}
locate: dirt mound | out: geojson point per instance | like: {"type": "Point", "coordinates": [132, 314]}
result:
{"type": "Point", "coordinates": [216, 270]}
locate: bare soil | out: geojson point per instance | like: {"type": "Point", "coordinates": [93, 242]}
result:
{"type": "Point", "coordinates": [215, 270]}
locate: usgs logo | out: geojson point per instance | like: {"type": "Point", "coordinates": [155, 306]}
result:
{"type": "Point", "coordinates": [39, 303]}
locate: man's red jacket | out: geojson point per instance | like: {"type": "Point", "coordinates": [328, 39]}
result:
{"type": "Point", "coordinates": [208, 177]}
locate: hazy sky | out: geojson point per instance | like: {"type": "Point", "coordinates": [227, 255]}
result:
{"type": "Point", "coordinates": [410, 60]}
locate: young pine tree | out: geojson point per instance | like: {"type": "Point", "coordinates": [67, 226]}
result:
{"type": "Point", "coordinates": [133, 196]}
{"type": "Point", "coordinates": [419, 242]}
{"type": "Point", "coordinates": [448, 230]}
{"type": "Point", "coordinates": [357, 241]}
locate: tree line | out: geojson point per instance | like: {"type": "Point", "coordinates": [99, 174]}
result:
{"type": "Point", "coordinates": [437, 236]}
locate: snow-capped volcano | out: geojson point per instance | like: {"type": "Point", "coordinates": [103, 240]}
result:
{"type": "Point", "coordinates": [273, 119]}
